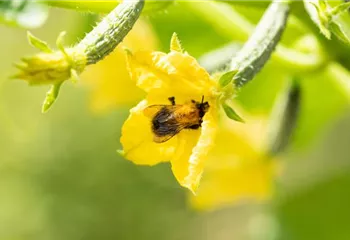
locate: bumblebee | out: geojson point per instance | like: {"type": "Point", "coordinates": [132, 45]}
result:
{"type": "Point", "coordinates": [169, 120]}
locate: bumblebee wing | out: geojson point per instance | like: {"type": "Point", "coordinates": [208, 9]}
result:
{"type": "Point", "coordinates": [164, 123]}
{"type": "Point", "coordinates": [164, 111]}
{"type": "Point", "coordinates": [152, 110]}
{"type": "Point", "coordinates": [169, 134]}
{"type": "Point", "coordinates": [161, 139]}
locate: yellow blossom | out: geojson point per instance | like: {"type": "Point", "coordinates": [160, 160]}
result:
{"type": "Point", "coordinates": [162, 76]}
{"type": "Point", "coordinates": [219, 142]}
{"type": "Point", "coordinates": [109, 80]}
{"type": "Point", "coordinates": [238, 168]}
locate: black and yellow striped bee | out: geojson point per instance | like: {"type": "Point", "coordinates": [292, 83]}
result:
{"type": "Point", "coordinates": [169, 120]}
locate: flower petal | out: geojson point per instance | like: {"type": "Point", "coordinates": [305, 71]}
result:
{"type": "Point", "coordinates": [110, 83]}
{"type": "Point", "coordinates": [237, 168]}
{"type": "Point", "coordinates": [231, 185]}
{"type": "Point", "coordinates": [137, 139]}
{"type": "Point", "coordinates": [192, 151]}
{"type": "Point", "coordinates": [175, 72]}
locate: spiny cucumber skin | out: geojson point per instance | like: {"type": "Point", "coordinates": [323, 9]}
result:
{"type": "Point", "coordinates": [258, 49]}
{"type": "Point", "coordinates": [103, 39]}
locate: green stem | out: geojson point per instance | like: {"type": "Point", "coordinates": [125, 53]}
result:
{"type": "Point", "coordinates": [223, 18]}
{"type": "Point", "coordinates": [309, 61]}
{"type": "Point", "coordinates": [102, 40]}
{"type": "Point", "coordinates": [84, 6]}
{"type": "Point", "coordinates": [103, 6]}
{"type": "Point", "coordinates": [250, 3]}
{"type": "Point", "coordinates": [340, 76]}
{"type": "Point", "coordinates": [218, 59]}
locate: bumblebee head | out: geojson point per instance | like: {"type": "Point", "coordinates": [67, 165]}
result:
{"type": "Point", "coordinates": [202, 106]}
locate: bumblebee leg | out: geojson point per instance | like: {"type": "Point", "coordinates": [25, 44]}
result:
{"type": "Point", "coordinates": [195, 126]}
{"type": "Point", "coordinates": [172, 100]}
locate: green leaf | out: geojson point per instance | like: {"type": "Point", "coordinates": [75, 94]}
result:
{"type": "Point", "coordinates": [340, 27]}
{"type": "Point", "coordinates": [175, 44]}
{"type": "Point", "coordinates": [330, 20]}
{"type": "Point", "coordinates": [74, 75]}
{"type": "Point", "coordinates": [23, 13]}
{"type": "Point", "coordinates": [60, 42]}
{"type": "Point", "coordinates": [39, 44]}
{"type": "Point", "coordinates": [317, 11]}
{"type": "Point", "coordinates": [121, 152]}
{"type": "Point", "coordinates": [340, 23]}
{"type": "Point", "coordinates": [227, 78]}
{"type": "Point", "coordinates": [51, 96]}
{"type": "Point", "coordinates": [340, 8]}
{"type": "Point", "coordinates": [340, 32]}
{"type": "Point", "coordinates": [231, 113]}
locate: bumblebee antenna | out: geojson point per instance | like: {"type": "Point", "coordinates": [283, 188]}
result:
{"type": "Point", "coordinates": [202, 99]}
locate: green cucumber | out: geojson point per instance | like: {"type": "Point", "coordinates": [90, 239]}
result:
{"type": "Point", "coordinates": [103, 39]}
{"type": "Point", "coordinates": [259, 47]}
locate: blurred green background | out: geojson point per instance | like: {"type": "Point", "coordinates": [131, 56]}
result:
{"type": "Point", "coordinates": [60, 176]}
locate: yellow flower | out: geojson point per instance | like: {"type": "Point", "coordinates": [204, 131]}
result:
{"type": "Point", "coordinates": [231, 154]}
{"type": "Point", "coordinates": [161, 76]}
{"type": "Point", "coordinates": [109, 79]}
{"type": "Point", "coordinates": [238, 168]}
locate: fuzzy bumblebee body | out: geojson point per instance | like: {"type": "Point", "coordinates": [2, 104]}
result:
{"type": "Point", "coordinates": [169, 120]}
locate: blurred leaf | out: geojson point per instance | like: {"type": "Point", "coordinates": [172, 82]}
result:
{"type": "Point", "coordinates": [23, 13]}
{"type": "Point", "coordinates": [231, 113]}
{"type": "Point", "coordinates": [175, 44]}
{"type": "Point", "coordinates": [340, 32]}
{"type": "Point", "coordinates": [321, 212]}
{"type": "Point", "coordinates": [340, 26]}
{"type": "Point", "coordinates": [343, 7]}
{"type": "Point", "coordinates": [197, 36]}
{"type": "Point", "coordinates": [219, 59]}
{"type": "Point", "coordinates": [317, 12]}
{"type": "Point", "coordinates": [334, 20]}
{"type": "Point", "coordinates": [51, 96]}
{"type": "Point", "coordinates": [256, 100]}
{"type": "Point", "coordinates": [227, 78]}
{"type": "Point", "coordinates": [38, 43]}
{"type": "Point", "coordinates": [314, 195]}
{"type": "Point", "coordinates": [325, 97]}
{"type": "Point", "coordinates": [74, 76]}
{"type": "Point", "coordinates": [51, 174]}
